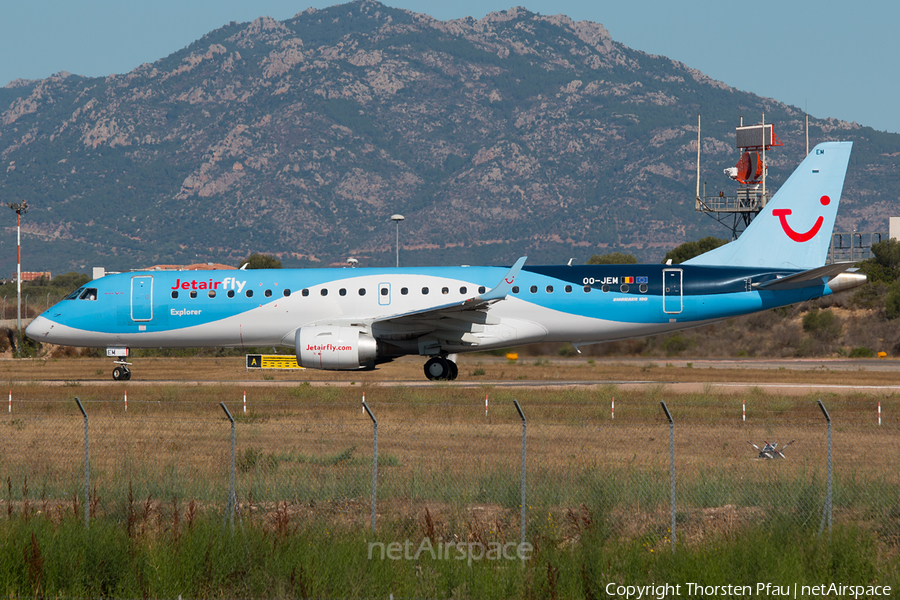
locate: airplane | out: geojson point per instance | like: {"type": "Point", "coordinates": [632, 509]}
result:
{"type": "Point", "coordinates": [351, 319]}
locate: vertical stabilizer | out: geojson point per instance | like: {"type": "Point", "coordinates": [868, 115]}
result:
{"type": "Point", "coordinates": [794, 230]}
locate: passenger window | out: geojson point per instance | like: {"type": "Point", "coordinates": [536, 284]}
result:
{"type": "Point", "coordinates": [286, 292]}
{"type": "Point", "coordinates": [624, 288]}
{"type": "Point", "coordinates": [212, 293]}
{"type": "Point", "coordinates": [362, 291]}
{"type": "Point", "coordinates": [194, 294]}
{"type": "Point", "coordinates": [445, 290]}
{"type": "Point", "coordinates": [304, 293]}
{"type": "Point", "coordinates": [587, 289]}
{"type": "Point", "coordinates": [549, 289]}
{"type": "Point", "coordinates": [404, 291]}
{"type": "Point", "coordinates": [643, 288]}
{"type": "Point", "coordinates": [268, 293]}
{"type": "Point", "coordinates": [533, 289]}
{"type": "Point", "coordinates": [249, 293]}
{"type": "Point", "coordinates": [384, 291]}
{"type": "Point", "coordinates": [568, 289]}
{"type": "Point", "coordinates": [463, 290]}
{"type": "Point", "coordinates": [604, 288]}
{"type": "Point", "coordinates": [515, 289]}
{"type": "Point", "coordinates": [174, 294]}
{"type": "Point", "coordinates": [481, 289]}
{"type": "Point", "coordinates": [342, 291]}
{"type": "Point", "coordinates": [425, 291]}
{"type": "Point", "coordinates": [324, 292]}
{"type": "Point", "coordinates": [230, 294]}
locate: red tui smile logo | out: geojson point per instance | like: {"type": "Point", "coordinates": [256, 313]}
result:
{"type": "Point", "coordinates": [782, 214]}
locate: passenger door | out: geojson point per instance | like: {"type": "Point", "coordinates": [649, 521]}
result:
{"type": "Point", "coordinates": [672, 301]}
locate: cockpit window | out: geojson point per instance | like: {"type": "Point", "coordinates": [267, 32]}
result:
{"type": "Point", "coordinates": [88, 294]}
{"type": "Point", "coordinates": [75, 294]}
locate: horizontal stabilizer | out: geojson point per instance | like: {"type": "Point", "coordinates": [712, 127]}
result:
{"type": "Point", "coordinates": [813, 277]}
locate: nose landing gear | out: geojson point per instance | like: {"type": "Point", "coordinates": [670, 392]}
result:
{"type": "Point", "coordinates": [122, 372]}
{"type": "Point", "coordinates": [441, 369]}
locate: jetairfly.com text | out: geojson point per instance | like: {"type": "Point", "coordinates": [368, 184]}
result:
{"type": "Point", "coordinates": [229, 283]}
{"type": "Point", "coordinates": [762, 590]}
{"type": "Point", "coordinates": [327, 348]}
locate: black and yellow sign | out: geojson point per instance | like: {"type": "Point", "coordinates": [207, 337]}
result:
{"type": "Point", "coordinates": [272, 361]}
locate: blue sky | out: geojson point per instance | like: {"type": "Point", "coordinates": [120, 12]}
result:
{"type": "Point", "coordinates": [834, 59]}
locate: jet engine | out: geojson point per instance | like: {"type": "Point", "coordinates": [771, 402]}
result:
{"type": "Point", "coordinates": [335, 348]}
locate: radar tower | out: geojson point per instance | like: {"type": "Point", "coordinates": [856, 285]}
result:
{"type": "Point", "coordinates": [737, 211]}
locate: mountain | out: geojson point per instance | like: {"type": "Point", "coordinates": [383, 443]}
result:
{"type": "Point", "coordinates": [514, 134]}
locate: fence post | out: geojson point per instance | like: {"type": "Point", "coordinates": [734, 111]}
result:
{"type": "Point", "coordinates": [374, 461]}
{"type": "Point", "coordinates": [671, 468]}
{"type": "Point", "coordinates": [827, 510]}
{"type": "Point", "coordinates": [232, 499]}
{"type": "Point", "coordinates": [524, 425]}
{"type": "Point", "coordinates": [87, 467]}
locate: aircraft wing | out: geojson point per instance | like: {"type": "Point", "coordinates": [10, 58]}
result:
{"type": "Point", "coordinates": [812, 277]}
{"type": "Point", "coordinates": [454, 322]}
{"type": "Point", "coordinates": [479, 302]}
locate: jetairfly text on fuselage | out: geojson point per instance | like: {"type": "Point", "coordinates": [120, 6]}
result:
{"type": "Point", "coordinates": [229, 283]}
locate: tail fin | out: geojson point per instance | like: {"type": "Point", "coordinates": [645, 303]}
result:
{"type": "Point", "coordinates": [794, 230]}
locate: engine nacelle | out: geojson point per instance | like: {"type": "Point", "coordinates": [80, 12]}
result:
{"type": "Point", "coordinates": [334, 348]}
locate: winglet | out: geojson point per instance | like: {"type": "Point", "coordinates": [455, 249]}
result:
{"type": "Point", "coordinates": [500, 291]}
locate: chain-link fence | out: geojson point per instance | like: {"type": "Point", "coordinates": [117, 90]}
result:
{"type": "Point", "coordinates": [498, 472]}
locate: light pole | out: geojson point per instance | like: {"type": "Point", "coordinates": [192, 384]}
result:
{"type": "Point", "coordinates": [396, 219]}
{"type": "Point", "coordinates": [20, 208]}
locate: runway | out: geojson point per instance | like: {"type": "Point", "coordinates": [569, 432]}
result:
{"type": "Point", "coordinates": [793, 377]}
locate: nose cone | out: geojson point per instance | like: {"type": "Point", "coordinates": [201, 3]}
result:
{"type": "Point", "coordinates": [39, 329]}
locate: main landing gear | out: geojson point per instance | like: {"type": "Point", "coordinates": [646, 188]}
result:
{"type": "Point", "coordinates": [441, 369]}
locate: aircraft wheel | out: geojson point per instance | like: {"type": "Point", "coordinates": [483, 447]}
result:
{"type": "Point", "coordinates": [454, 370]}
{"type": "Point", "coordinates": [127, 375]}
{"type": "Point", "coordinates": [120, 374]}
{"type": "Point", "coordinates": [437, 369]}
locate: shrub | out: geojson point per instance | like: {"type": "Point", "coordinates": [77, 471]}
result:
{"type": "Point", "coordinates": [860, 352]}
{"type": "Point", "coordinates": [675, 344]}
{"type": "Point", "coordinates": [823, 324]}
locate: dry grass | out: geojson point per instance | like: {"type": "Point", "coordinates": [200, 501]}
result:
{"type": "Point", "coordinates": [311, 445]}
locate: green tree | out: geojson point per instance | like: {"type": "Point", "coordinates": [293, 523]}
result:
{"type": "Point", "coordinates": [885, 265]}
{"type": "Point", "coordinates": [892, 302]}
{"type": "Point", "coordinates": [261, 261]}
{"type": "Point", "coordinates": [689, 250]}
{"type": "Point", "coordinates": [71, 280]}
{"type": "Point", "coordinates": [613, 258]}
